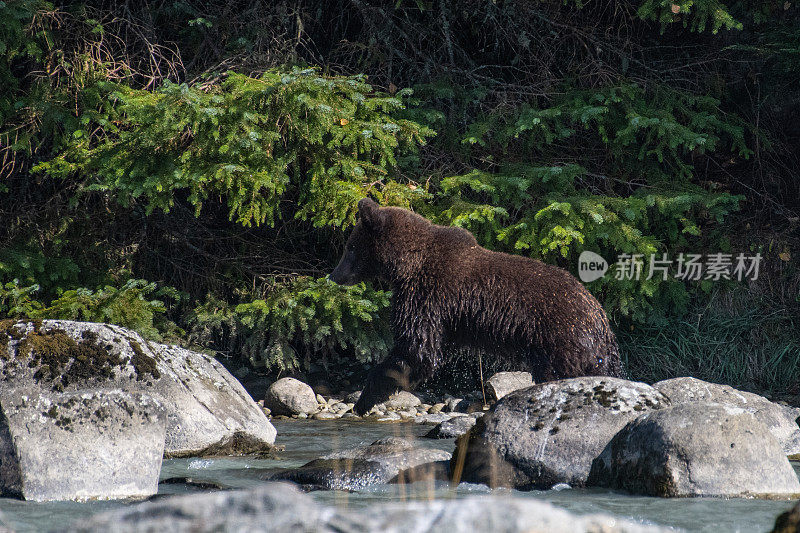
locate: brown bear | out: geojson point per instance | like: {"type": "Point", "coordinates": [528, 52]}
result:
{"type": "Point", "coordinates": [448, 291]}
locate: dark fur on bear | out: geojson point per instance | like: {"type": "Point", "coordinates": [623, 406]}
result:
{"type": "Point", "coordinates": [448, 291]}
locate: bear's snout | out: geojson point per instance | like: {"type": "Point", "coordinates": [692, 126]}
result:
{"type": "Point", "coordinates": [337, 276]}
{"type": "Point", "coordinates": [343, 274]}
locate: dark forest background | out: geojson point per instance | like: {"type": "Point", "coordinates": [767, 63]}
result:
{"type": "Point", "coordinates": [189, 169]}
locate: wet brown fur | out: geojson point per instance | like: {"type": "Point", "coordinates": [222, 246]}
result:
{"type": "Point", "coordinates": [448, 290]}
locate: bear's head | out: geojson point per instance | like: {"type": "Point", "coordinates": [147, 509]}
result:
{"type": "Point", "coordinates": [387, 242]}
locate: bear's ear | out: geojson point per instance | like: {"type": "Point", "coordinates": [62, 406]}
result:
{"type": "Point", "coordinates": [370, 214]}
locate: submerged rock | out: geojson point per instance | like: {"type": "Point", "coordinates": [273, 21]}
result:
{"type": "Point", "coordinates": [781, 420]}
{"type": "Point", "coordinates": [289, 396]}
{"type": "Point", "coordinates": [504, 383]}
{"type": "Point", "coordinates": [550, 433]}
{"type": "Point", "coordinates": [102, 444]}
{"type": "Point", "coordinates": [452, 428]}
{"type": "Point", "coordinates": [281, 507]}
{"type": "Point", "coordinates": [208, 411]}
{"type": "Point", "coordinates": [361, 466]}
{"type": "Point", "coordinates": [425, 473]}
{"type": "Point", "coordinates": [391, 416]}
{"type": "Point", "coordinates": [788, 522]}
{"type": "Point", "coordinates": [433, 419]}
{"type": "Point", "coordinates": [696, 449]}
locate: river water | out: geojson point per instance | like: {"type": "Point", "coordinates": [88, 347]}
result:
{"type": "Point", "coordinates": [306, 440]}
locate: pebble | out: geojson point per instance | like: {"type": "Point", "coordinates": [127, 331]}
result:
{"type": "Point", "coordinates": [334, 408]}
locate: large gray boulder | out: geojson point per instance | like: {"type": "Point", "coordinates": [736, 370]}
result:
{"type": "Point", "coordinates": [289, 396]}
{"type": "Point", "coordinates": [100, 444]}
{"type": "Point", "coordinates": [361, 466]}
{"type": "Point", "coordinates": [550, 433]}
{"type": "Point", "coordinates": [281, 507]}
{"type": "Point", "coordinates": [504, 383]}
{"type": "Point", "coordinates": [781, 420]}
{"type": "Point", "coordinates": [208, 411]}
{"type": "Point", "coordinates": [696, 449]}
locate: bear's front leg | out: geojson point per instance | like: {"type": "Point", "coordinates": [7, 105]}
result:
{"type": "Point", "coordinates": [390, 376]}
{"type": "Point", "coordinates": [410, 362]}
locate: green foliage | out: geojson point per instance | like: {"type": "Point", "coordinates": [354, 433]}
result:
{"type": "Point", "coordinates": [696, 15]}
{"type": "Point", "coordinates": [39, 113]}
{"type": "Point", "coordinates": [304, 319]}
{"type": "Point", "coordinates": [28, 263]}
{"type": "Point", "coordinates": [553, 213]}
{"type": "Point", "coordinates": [135, 305]}
{"type": "Point", "coordinates": [189, 144]}
{"type": "Point", "coordinates": [656, 131]}
{"type": "Point", "coordinates": [326, 141]}
{"type": "Point", "coordinates": [17, 301]}
{"type": "Point", "coordinates": [17, 44]}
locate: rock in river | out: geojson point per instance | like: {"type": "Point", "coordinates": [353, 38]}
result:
{"type": "Point", "coordinates": [788, 522]}
{"type": "Point", "coordinates": [289, 396]}
{"type": "Point", "coordinates": [361, 466]}
{"type": "Point", "coordinates": [504, 383]}
{"type": "Point", "coordinates": [208, 411]}
{"type": "Point", "coordinates": [452, 428]}
{"type": "Point", "coordinates": [550, 433]}
{"type": "Point", "coordinates": [696, 449]}
{"type": "Point", "coordinates": [101, 444]}
{"type": "Point", "coordinates": [781, 420]}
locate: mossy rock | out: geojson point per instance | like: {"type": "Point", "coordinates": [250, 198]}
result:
{"type": "Point", "coordinates": [58, 359]}
{"type": "Point", "coordinates": [208, 411]}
